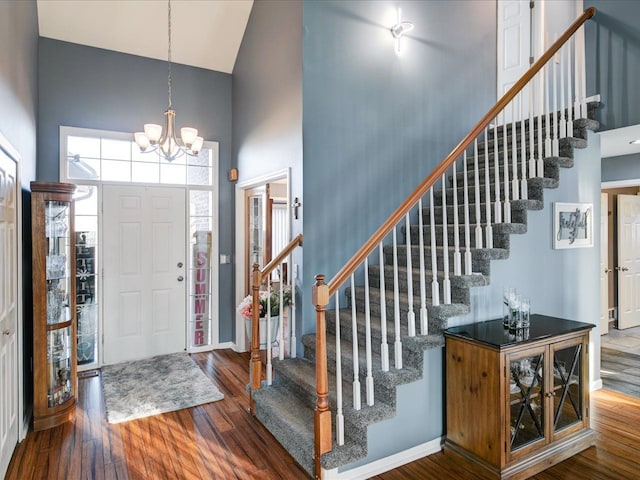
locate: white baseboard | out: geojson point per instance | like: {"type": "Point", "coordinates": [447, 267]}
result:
{"type": "Point", "coordinates": [596, 385]}
{"type": "Point", "coordinates": [385, 464]}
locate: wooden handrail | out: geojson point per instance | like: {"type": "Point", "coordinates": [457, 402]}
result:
{"type": "Point", "coordinates": [297, 241]}
{"type": "Point", "coordinates": [347, 270]}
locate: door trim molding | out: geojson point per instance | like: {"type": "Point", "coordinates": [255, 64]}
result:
{"type": "Point", "coordinates": [23, 423]}
{"type": "Point", "coordinates": [240, 239]}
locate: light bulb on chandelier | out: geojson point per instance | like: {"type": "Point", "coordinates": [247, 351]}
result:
{"type": "Point", "coordinates": [164, 141]}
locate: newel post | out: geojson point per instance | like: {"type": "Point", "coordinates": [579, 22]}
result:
{"type": "Point", "coordinates": [322, 414]}
{"type": "Point", "coordinates": [255, 367]}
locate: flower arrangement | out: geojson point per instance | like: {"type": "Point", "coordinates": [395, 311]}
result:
{"type": "Point", "coordinates": [245, 307]}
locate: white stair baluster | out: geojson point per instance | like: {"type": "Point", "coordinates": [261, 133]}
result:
{"type": "Point", "coordinates": [505, 143]}
{"type": "Point", "coordinates": [497, 213]}
{"type": "Point", "coordinates": [269, 367]}
{"type": "Point", "coordinates": [446, 282]}
{"type": "Point", "coordinates": [515, 188]}
{"type": "Point", "coordinates": [548, 152]}
{"type": "Point", "coordinates": [563, 119]}
{"type": "Point", "coordinates": [424, 320]}
{"type": "Point", "coordinates": [397, 345]}
{"type": "Point", "coordinates": [281, 317]}
{"type": "Point", "coordinates": [292, 284]}
{"type": "Point", "coordinates": [411, 316]}
{"type": "Point", "coordinates": [367, 334]}
{"type": "Point", "coordinates": [476, 190]}
{"type": "Point", "coordinates": [355, 351]}
{"type": "Point", "coordinates": [384, 347]}
{"type": "Point", "coordinates": [339, 414]}
{"type": "Point", "coordinates": [540, 114]}
{"type": "Point", "coordinates": [467, 223]}
{"type": "Point", "coordinates": [488, 230]}
{"type": "Point", "coordinates": [457, 259]}
{"type": "Point", "coordinates": [524, 194]}
{"type": "Point", "coordinates": [532, 157]}
{"type": "Point", "coordinates": [580, 53]}
{"type": "Point", "coordinates": [570, 113]}
{"type": "Point", "coordinates": [435, 286]}
{"type": "Point", "coordinates": [555, 145]}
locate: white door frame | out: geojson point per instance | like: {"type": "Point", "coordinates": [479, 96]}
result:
{"type": "Point", "coordinates": [241, 187]}
{"type": "Point", "coordinates": [23, 420]}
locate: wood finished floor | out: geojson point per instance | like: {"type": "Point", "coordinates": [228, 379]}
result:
{"type": "Point", "coordinates": [222, 441]}
{"type": "Point", "coordinates": [620, 371]}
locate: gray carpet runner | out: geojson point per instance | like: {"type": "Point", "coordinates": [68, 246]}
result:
{"type": "Point", "coordinates": [286, 407]}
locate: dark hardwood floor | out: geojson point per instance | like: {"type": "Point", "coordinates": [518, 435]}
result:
{"type": "Point", "coordinates": [620, 371]}
{"type": "Point", "coordinates": [222, 440]}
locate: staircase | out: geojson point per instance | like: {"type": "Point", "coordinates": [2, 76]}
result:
{"type": "Point", "coordinates": [388, 314]}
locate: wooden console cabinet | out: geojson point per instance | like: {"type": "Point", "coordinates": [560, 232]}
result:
{"type": "Point", "coordinates": [54, 328]}
{"type": "Point", "coordinates": [518, 403]}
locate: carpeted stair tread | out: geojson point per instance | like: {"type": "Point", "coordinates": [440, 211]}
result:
{"type": "Point", "coordinates": [516, 206]}
{"type": "Point", "coordinates": [289, 420]}
{"type": "Point", "coordinates": [535, 190]}
{"type": "Point", "coordinates": [474, 280]}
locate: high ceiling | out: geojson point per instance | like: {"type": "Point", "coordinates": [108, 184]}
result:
{"type": "Point", "coordinates": [205, 33]}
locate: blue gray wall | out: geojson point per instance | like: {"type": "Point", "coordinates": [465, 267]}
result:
{"type": "Point", "coordinates": [267, 99]}
{"type": "Point", "coordinates": [88, 87]}
{"type": "Point", "coordinates": [625, 167]}
{"type": "Point", "coordinates": [18, 119]}
{"type": "Point", "coordinates": [613, 60]}
{"type": "Point", "coordinates": [375, 123]}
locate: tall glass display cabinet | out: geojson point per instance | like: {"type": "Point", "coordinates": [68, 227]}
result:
{"type": "Point", "coordinates": [54, 329]}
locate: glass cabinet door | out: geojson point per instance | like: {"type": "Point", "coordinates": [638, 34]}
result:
{"type": "Point", "coordinates": [567, 386]}
{"type": "Point", "coordinates": [58, 258]}
{"type": "Point", "coordinates": [526, 399]}
{"type": "Point", "coordinates": [60, 386]}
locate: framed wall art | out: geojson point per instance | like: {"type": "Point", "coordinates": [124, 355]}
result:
{"type": "Point", "coordinates": [572, 225]}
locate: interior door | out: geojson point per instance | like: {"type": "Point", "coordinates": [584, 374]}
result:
{"type": "Point", "coordinates": [8, 312]}
{"type": "Point", "coordinates": [514, 49]}
{"type": "Point", "coordinates": [604, 263]}
{"type": "Point", "coordinates": [144, 256]}
{"type": "Point", "coordinates": [628, 267]}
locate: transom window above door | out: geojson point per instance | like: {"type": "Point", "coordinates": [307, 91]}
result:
{"type": "Point", "coordinates": [115, 157]}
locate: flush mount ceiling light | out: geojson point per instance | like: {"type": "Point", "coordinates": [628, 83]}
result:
{"type": "Point", "coordinates": [399, 29]}
{"type": "Point", "coordinates": [155, 139]}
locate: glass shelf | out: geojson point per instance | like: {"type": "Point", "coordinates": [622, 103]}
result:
{"type": "Point", "coordinates": [59, 357]}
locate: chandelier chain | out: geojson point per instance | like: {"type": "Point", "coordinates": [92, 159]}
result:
{"type": "Point", "coordinates": [169, 53]}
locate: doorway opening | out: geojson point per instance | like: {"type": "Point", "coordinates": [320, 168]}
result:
{"type": "Point", "coordinates": [263, 229]}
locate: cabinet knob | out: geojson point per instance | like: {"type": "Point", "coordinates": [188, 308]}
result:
{"type": "Point", "coordinates": [551, 394]}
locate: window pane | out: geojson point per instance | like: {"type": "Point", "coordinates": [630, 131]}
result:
{"type": "Point", "coordinates": [83, 147]}
{"type": "Point", "coordinates": [199, 203]}
{"type": "Point", "coordinates": [147, 156]}
{"type": "Point", "coordinates": [198, 175]}
{"type": "Point", "coordinates": [86, 198]}
{"type": "Point", "coordinates": [86, 223]}
{"type": "Point", "coordinates": [145, 172]}
{"type": "Point", "coordinates": [203, 159]}
{"type": "Point", "coordinates": [116, 149]}
{"type": "Point", "coordinates": [172, 173]}
{"type": "Point", "coordinates": [114, 170]}
{"type": "Point", "coordinates": [83, 168]}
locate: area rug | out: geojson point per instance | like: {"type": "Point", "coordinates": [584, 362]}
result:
{"type": "Point", "coordinates": [155, 385]}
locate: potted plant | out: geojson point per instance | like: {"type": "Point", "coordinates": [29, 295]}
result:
{"type": "Point", "coordinates": [269, 303]}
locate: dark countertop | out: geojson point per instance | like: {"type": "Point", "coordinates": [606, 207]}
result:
{"type": "Point", "coordinates": [493, 334]}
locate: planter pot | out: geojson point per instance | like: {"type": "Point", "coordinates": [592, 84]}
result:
{"type": "Point", "coordinates": [263, 330]}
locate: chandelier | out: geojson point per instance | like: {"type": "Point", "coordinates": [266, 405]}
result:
{"type": "Point", "coordinates": [155, 139]}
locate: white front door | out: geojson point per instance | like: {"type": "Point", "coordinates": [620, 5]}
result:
{"type": "Point", "coordinates": [604, 263]}
{"type": "Point", "coordinates": [8, 312]}
{"type": "Point", "coordinates": [628, 261]}
{"type": "Point", "coordinates": [144, 270]}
